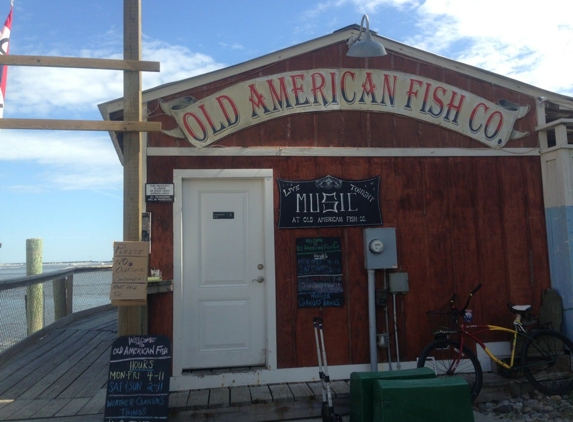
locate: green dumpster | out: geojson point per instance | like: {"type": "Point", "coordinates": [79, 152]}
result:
{"type": "Point", "coordinates": [444, 399]}
{"type": "Point", "coordinates": [362, 386]}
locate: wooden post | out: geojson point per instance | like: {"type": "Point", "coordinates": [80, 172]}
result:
{"type": "Point", "coordinates": [59, 290]}
{"type": "Point", "coordinates": [69, 286]}
{"type": "Point", "coordinates": [35, 293]}
{"type": "Point", "coordinates": [132, 319]}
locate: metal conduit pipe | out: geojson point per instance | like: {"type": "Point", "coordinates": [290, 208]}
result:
{"type": "Point", "coordinates": [396, 332]}
{"type": "Point", "coordinates": [387, 324]}
{"type": "Point", "coordinates": [372, 320]}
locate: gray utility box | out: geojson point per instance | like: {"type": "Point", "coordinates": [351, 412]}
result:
{"type": "Point", "coordinates": [398, 283]}
{"type": "Point", "coordinates": [380, 248]}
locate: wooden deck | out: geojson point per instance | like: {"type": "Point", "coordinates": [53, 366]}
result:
{"type": "Point", "coordinates": [62, 376]}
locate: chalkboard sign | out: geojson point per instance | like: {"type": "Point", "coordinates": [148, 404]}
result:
{"type": "Point", "coordinates": [138, 381]}
{"type": "Point", "coordinates": [329, 202]}
{"type": "Point", "coordinates": [319, 272]}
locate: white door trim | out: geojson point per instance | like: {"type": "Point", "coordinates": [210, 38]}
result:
{"type": "Point", "coordinates": [269, 239]}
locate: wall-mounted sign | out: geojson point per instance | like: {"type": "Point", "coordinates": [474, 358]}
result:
{"type": "Point", "coordinates": [129, 273]}
{"type": "Point", "coordinates": [329, 202]}
{"type": "Point", "coordinates": [205, 121]}
{"type": "Point", "coordinates": [159, 192]}
{"type": "Point", "coordinates": [319, 272]}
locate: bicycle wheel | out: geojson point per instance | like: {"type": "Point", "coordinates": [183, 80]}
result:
{"type": "Point", "coordinates": [546, 361]}
{"type": "Point", "coordinates": [443, 357]}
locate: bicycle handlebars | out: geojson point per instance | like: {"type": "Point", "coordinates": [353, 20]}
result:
{"type": "Point", "coordinates": [473, 292]}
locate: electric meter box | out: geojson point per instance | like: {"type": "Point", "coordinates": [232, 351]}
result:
{"type": "Point", "coordinates": [380, 248]}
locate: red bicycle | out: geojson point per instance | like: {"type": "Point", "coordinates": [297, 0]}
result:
{"type": "Point", "coordinates": [544, 357]}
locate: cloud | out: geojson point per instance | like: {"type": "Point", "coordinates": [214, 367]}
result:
{"type": "Point", "coordinates": [56, 92]}
{"type": "Point", "coordinates": [52, 92]}
{"type": "Point", "coordinates": [505, 37]}
{"type": "Point", "coordinates": [177, 63]}
{"type": "Point", "coordinates": [68, 160]}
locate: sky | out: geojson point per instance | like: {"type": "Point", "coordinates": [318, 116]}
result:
{"type": "Point", "coordinates": [66, 187]}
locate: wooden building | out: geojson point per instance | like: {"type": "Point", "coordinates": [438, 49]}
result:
{"type": "Point", "coordinates": [307, 146]}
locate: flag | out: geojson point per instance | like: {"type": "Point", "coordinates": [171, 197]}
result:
{"type": "Point", "coordinates": [4, 49]}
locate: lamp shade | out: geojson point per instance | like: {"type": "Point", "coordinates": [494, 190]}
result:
{"type": "Point", "coordinates": [366, 47]}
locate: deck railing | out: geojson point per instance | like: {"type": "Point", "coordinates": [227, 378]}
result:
{"type": "Point", "coordinates": [62, 293]}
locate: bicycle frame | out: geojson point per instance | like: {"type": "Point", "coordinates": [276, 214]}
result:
{"type": "Point", "coordinates": [545, 356]}
{"type": "Point", "coordinates": [473, 331]}
{"type": "Point", "coordinates": [463, 331]}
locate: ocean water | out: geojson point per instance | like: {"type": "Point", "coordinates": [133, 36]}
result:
{"type": "Point", "coordinates": [8, 271]}
{"type": "Point", "coordinates": [91, 289]}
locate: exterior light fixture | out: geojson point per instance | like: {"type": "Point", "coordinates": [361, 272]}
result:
{"type": "Point", "coordinates": [366, 47]}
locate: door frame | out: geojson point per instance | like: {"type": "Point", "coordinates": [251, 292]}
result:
{"type": "Point", "coordinates": [266, 175]}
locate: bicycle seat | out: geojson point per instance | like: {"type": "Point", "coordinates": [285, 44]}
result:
{"type": "Point", "coordinates": [519, 309]}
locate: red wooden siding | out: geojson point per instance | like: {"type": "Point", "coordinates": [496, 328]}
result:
{"type": "Point", "coordinates": [459, 222]}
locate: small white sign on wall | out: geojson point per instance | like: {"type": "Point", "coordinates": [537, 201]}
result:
{"type": "Point", "coordinates": [159, 192]}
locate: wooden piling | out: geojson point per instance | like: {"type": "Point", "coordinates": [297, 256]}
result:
{"type": "Point", "coordinates": [59, 289]}
{"type": "Point", "coordinates": [34, 293]}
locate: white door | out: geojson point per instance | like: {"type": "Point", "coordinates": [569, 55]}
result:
{"type": "Point", "coordinates": [223, 273]}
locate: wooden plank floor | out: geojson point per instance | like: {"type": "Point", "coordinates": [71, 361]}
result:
{"type": "Point", "coordinates": [62, 376]}
{"type": "Point", "coordinates": [271, 402]}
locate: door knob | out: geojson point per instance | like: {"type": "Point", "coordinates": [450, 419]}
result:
{"type": "Point", "coordinates": [259, 279]}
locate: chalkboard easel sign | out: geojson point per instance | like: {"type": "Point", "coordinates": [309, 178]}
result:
{"type": "Point", "coordinates": [319, 272]}
{"type": "Point", "coordinates": [138, 380]}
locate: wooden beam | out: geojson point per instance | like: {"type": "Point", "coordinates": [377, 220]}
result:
{"type": "Point", "coordinates": [132, 320]}
{"type": "Point", "coordinates": [89, 125]}
{"type": "Point", "coordinates": [80, 62]}
{"type": "Point", "coordinates": [132, 112]}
